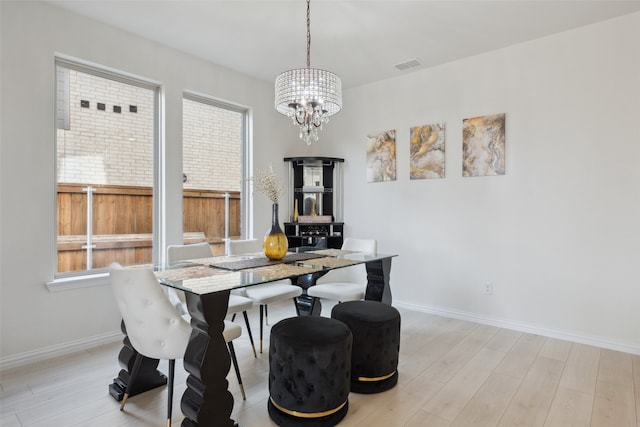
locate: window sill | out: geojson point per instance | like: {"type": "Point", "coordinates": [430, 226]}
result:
{"type": "Point", "coordinates": [78, 282]}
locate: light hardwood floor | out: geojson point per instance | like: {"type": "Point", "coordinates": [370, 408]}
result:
{"type": "Point", "coordinates": [452, 373]}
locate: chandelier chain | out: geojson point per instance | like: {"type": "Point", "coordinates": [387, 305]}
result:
{"type": "Point", "coordinates": [308, 33]}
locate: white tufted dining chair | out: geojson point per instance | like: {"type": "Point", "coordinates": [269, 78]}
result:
{"type": "Point", "coordinates": [154, 328]}
{"type": "Point", "coordinates": [237, 302]}
{"type": "Point", "coordinates": [267, 293]}
{"type": "Point", "coordinates": [349, 283]}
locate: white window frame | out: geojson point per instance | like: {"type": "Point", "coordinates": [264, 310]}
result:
{"type": "Point", "coordinates": [246, 155]}
{"type": "Point", "coordinates": [98, 277]}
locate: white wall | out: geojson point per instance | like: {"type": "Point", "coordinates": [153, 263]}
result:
{"type": "Point", "coordinates": [34, 320]}
{"type": "Point", "coordinates": [558, 235]}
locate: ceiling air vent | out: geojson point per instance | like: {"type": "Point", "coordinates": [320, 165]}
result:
{"type": "Point", "coordinates": [412, 63]}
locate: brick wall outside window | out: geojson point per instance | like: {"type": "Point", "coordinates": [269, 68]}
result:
{"type": "Point", "coordinates": [212, 141]}
{"type": "Point", "coordinates": [103, 147]}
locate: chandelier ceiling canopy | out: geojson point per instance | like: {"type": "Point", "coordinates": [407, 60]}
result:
{"type": "Point", "coordinates": [308, 95]}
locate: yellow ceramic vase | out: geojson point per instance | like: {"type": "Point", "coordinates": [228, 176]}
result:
{"type": "Point", "coordinates": [275, 241]}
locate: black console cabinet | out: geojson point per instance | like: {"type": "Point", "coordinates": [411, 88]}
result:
{"type": "Point", "coordinates": [315, 211]}
{"type": "Point", "coordinates": [327, 235]}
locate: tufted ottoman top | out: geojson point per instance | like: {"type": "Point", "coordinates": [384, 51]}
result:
{"type": "Point", "coordinates": [369, 312]}
{"type": "Point", "coordinates": [310, 330]}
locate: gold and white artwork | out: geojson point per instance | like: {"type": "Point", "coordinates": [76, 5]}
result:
{"type": "Point", "coordinates": [381, 156]}
{"type": "Point", "coordinates": [426, 151]}
{"type": "Point", "coordinates": [483, 145]}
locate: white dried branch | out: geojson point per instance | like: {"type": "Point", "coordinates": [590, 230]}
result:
{"type": "Point", "coordinates": [269, 184]}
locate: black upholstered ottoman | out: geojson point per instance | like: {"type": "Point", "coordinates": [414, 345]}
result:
{"type": "Point", "coordinates": [309, 371]}
{"type": "Point", "coordinates": [376, 344]}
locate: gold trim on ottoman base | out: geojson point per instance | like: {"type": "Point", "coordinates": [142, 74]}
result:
{"type": "Point", "coordinates": [307, 414]}
{"type": "Point", "coordinates": [382, 378]}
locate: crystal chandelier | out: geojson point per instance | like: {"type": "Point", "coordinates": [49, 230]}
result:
{"type": "Point", "coordinates": [308, 95]}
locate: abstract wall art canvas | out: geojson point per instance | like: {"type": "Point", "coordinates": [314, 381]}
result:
{"type": "Point", "coordinates": [483, 145]}
{"type": "Point", "coordinates": [426, 151]}
{"type": "Point", "coordinates": [381, 156]}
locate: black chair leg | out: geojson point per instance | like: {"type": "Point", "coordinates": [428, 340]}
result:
{"type": "Point", "coordinates": [172, 370]}
{"type": "Point", "coordinates": [246, 322]}
{"type": "Point", "coordinates": [132, 377]}
{"type": "Point", "coordinates": [232, 352]}
{"type": "Point", "coordinates": [233, 317]}
{"type": "Point", "coordinates": [314, 303]}
{"type": "Point", "coordinates": [262, 307]}
{"type": "Point", "coordinates": [266, 315]}
{"type": "Point", "coordinates": [295, 304]}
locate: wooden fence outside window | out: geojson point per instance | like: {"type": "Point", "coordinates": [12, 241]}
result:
{"type": "Point", "coordinates": [122, 223]}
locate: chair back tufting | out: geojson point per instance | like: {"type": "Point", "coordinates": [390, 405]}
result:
{"type": "Point", "coordinates": [153, 326]}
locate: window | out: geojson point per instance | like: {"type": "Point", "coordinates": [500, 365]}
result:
{"type": "Point", "coordinates": [214, 152]}
{"type": "Point", "coordinates": [106, 141]}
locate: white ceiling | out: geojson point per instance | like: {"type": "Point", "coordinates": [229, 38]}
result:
{"type": "Point", "coordinates": [361, 41]}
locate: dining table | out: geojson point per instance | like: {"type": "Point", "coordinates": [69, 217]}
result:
{"type": "Point", "coordinates": [207, 283]}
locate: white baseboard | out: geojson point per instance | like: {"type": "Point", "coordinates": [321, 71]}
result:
{"type": "Point", "coordinates": [523, 327]}
{"type": "Point", "coordinates": [44, 353]}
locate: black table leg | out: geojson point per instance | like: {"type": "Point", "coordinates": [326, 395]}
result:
{"type": "Point", "coordinates": [378, 277]}
{"type": "Point", "coordinates": [148, 376]}
{"type": "Point", "coordinates": [207, 400]}
{"type": "Point", "coordinates": [307, 305]}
